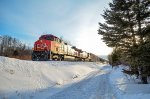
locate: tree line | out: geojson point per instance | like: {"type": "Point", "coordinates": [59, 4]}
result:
{"type": "Point", "coordinates": [12, 47]}
{"type": "Point", "coordinates": [127, 30]}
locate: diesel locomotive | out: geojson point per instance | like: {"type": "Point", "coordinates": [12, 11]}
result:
{"type": "Point", "coordinates": [50, 47]}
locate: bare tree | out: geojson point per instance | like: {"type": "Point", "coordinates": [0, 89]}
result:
{"type": "Point", "coordinates": [11, 47]}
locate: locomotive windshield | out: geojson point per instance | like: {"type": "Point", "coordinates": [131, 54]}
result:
{"type": "Point", "coordinates": [44, 37]}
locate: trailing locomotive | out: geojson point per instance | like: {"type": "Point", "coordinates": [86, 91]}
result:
{"type": "Point", "coordinates": [51, 47]}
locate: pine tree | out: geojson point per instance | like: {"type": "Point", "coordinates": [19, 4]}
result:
{"type": "Point", "coordinates": [118, 30]}
{"type": "Point", "coordinates": [127, 27]}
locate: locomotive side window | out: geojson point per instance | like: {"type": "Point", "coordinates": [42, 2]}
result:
{"type": "Point", "coordinates": [57, 40]}
{"type": "Point", "coordinates": [54, 39]}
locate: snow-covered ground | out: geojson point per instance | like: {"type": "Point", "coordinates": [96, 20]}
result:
{"type": "Point", "coordinates": [127, 87]}
{"type": "Point", "coordinates": [21, 79]}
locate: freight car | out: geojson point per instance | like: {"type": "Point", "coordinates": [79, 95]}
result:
{"type": "Point", "coordinates": [51, 47]}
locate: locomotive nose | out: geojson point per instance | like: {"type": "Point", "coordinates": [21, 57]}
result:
{"type": "Point", "coordinates": [41, 45]}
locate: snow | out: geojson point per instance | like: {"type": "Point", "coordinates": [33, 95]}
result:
{"type": "Point", "coordinates": [22, 79]}
{"type": "Point", "coordinates": [127, 87]}
{"type": "Point", "coordinates": [38, 79]}
{"type": "Point", "coordinates": [94, 86]}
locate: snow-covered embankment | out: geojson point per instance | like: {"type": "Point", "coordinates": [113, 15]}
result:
{"type": "Point", "coordinates": [25, 79]}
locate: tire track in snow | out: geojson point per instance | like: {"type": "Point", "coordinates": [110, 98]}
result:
{"type": "Point", "coordinates": [94, 86]}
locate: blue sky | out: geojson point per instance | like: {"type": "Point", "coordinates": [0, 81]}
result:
{"type": "Point", "coordinates": [73, 20]}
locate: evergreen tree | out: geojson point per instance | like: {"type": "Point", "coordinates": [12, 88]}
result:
{"type": "Point", "coordinates": [118, 30]}
{"type": "Point", "coordinates": [127, 27]}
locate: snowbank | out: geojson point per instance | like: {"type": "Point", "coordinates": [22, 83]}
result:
{"type": "Point", "coordinates": [24, 79]}
{"type": "Point", "coordinates": [125, 87]}
{"type": "Point", "coordinates": [21, 79]}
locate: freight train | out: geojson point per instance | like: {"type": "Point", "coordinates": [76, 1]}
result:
{"type": "Point", "coordinates": [50, 47]}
